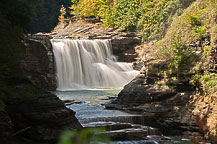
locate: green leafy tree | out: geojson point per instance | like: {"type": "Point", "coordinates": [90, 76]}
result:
{"type": "Point", "coordinates": [126, 14]}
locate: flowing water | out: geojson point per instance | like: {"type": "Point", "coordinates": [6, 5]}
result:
{"type": "Point", "coordinates": [88, 105]}
{"type": "Point", "coordinates": [89, 64]}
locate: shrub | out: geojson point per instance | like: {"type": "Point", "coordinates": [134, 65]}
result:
{"type": "Point", "coordinates": [205, 83]}
{"type": "Point", "coordinates": [180, 58]}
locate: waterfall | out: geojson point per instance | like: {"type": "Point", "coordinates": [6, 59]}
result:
{"type": "Point", "coordinates": [89, 64]}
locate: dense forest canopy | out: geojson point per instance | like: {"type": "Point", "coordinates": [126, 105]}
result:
{"type": "Point", "coordinates": [151, 17]}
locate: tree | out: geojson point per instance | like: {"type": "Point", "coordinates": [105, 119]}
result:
{"type": "Point", "coordinates": [46, 13]}
{"type": "Point", "coordinates": [62, 14]}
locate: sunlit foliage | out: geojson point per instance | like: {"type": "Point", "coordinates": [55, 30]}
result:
{"type": "Point", "coordinates": [149, 17]}
{"type": "Point", "coordinates": [62, 14]}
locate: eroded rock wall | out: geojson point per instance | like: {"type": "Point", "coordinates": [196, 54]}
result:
{"type": "Point", "coordinates": [39, 62]}
{"type": "Point", "coordinates": [123, 46]}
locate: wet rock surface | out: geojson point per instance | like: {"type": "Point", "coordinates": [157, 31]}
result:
{"type": "Point", "coordinates": [125, 131]}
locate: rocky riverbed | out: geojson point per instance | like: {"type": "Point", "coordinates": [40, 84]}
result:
{"type": "Point", "coordinates": [121, 126]}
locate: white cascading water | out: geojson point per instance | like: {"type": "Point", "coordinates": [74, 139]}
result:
{"type": "Point", "coordinates": [89, 64]}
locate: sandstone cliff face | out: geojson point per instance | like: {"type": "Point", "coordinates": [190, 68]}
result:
{"type": "Point", "coordinates": [205, 110]}
{"type": "Point", "coordinates": [37, 115]}
{"type": "Point", "coordinates": [175, 108]}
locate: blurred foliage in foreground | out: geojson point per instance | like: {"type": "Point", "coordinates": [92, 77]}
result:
{"type": "Point", "coordinates": [85, 136]}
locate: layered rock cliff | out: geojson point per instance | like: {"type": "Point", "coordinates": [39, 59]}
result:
{"type": "Point", "coordinates": [29, 114]}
